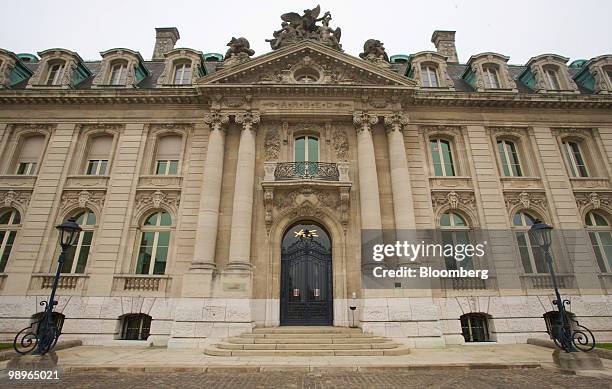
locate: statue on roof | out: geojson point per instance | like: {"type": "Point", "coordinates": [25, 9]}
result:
{"type": "Point", "coordinates": [239, 51]}
{"type": "Point", "coordinates": [374, 51]}
{"type": "Point", "coordinates": [296, 28]}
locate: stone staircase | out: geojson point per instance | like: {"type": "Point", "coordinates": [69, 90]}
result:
{"type": "Point", "coordinates": [306, 341]}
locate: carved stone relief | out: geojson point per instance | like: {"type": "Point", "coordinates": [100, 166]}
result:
{"type": "Point", "coordinates": [83, 199]}
{"type": "Point", "coordinates": [271, 145]}
{"type": "Point", "coordinates": [595, 200]}
{"type": "Point", "coordinates": [13, 198]}
{"type": "Point", "coordinates": [157, 199]}
{"type": "Point", "coordinates": [454, 200]}
{"type": "Point", "coordinates": [526, 200]}
{"type": "Point", "coordinates": [341, 146]}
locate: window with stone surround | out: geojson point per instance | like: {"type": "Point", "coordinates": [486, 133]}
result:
{"type": "Point", "coordinates": [429, 76]}
{"type": "Point", "coordinates": [154, 244]}
{"type": "Point", "coordinates": [574, 158]}
{"type": "Point", "coordinates": [168, 155]}
{"type": "Point", "coordinates": [600, 234]}
{"type": "Point", "coordinates": [77, 255]}
{"type": "Point", "coordinates": [442, 157]}
{"type": "Point", "coordinates": [455, 230]}
{"type": "Point", "coordinates": [30, 150]}
{"type": "Point", "coordinates": [509, 158]}
{"type": "Point", "coordinates": [118, 73]}
{"type": "Point", "coordinates": [98, 153]}
{"type": "Point", "coordinates": [135, 326]}
{"type": "Point", "coordinates": [10, 223]}
{"type": "Point", "coordinates": [182, 73]}
{"type": "Point", "coordinates": [55, 72]}
{"type": "Point", "coordinates": [530, 253]}
{"type": "Point", "coordinates": [475, 327]}
{"type": "Point", "coordinates": [491, 76]}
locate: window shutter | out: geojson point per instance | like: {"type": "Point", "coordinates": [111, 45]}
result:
{"type": "Point", "coordinates": [100, 147]}
{"type": "Point", "coordinates": [32, 148]}
{"type": "Point", "coordinates": [169, 148]}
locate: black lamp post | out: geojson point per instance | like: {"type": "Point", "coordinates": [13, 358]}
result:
{"type": "Point", "coordinates": [566, 337]}
{"type": "Point", "coordinates": [43, 334]}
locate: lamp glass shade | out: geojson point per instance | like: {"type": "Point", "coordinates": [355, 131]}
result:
{"type": "Point", "coordinates": [540, 233]}
{"type": "Point", "coordinates": [69, 232]}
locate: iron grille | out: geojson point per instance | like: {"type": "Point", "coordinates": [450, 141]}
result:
{"type": "Point", "coordinates": [306, 171]}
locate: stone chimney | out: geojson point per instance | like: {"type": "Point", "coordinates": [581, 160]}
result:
{"type": "Point", "coordinates": [165, 38]}
{"type": "Point", "coordinates": [445, 44]}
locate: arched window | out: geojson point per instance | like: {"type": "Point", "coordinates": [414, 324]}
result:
{"type": "Point", "coordinates": [429, 76]}
{"type": "Point", "coordinates": [307, 149]}
{"type": "Point", "coordinates": [10, 221]}
{"type": "Point", "coordinates": [491, 78]}
{"type": "Point", "coordinates": [167, 155]}
{"type": "Point", "coordinates": [135, 327]}
{"type": "Point", "coordinates": [508, 154]}
{"type": "Point", "coordinates": [29, 154]}
{"type": "Point", "coordinates": [55, 73]}
{"type": "Point", "coordinates": [118, 73]}
{"type": "Point", "coordinates": [531, 255]}
{"type": "Point", "coordinates": [442, 157]}
{"type": "Point", "coordinates": [58, 320]}
{"type": "Point", "coordinates": [601, 239]}
{"type": "Point", "coordinates": [154, 244]}
{"type": "Point", "coordinates": [475, 327]}
{"type": "Point", "coordinates": [97, 155]}
{"type": "Point", "coordinates": [455, 231]}
{"type": "Point", "coordinates": [552, 78]}
{"type": "Point", "coordinates": [574, 159]}
{"type": "Point", "coordinates": [76, 258]}
{"type": "Point", "coordinates": [182, 73]}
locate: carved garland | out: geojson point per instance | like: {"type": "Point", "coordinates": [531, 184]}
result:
{"type": "Point", "coordinates": [272, 145]}
{"type": "Point", "coordinates": [341, 146]}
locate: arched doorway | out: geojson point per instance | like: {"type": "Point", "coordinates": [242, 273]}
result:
{"type": "Point", "coordinates": [306, 276]}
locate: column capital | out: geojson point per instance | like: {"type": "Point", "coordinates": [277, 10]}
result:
{"type": "Point", "coordinates": [216, 120]}
{"type": "Point", "coordinates": [395, 121]}
{"type": "Point", "coordinates": [364, 121]}
{"type": "Point", "coordinates": [248, 119]}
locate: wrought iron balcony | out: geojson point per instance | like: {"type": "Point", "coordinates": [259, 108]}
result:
{"type": "Point", "coordinates": [316, 171]}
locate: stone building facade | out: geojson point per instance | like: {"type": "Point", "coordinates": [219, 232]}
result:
{"type": "Point", "coordinates": [181, 172]}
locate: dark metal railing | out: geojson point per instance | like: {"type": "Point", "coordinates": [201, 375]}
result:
{"type": "Point", "coordinates": [307, 171]}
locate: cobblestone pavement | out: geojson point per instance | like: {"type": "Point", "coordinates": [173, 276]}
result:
{"type": "Point", "coordinates": [439, 378]}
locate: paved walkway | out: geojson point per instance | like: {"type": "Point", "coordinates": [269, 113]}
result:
{"type": "Point", "coordinates": [163, 359]}
{"type": "Point", "coordinates": [458, 379]}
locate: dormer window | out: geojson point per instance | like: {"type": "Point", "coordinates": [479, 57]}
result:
{"type": "Point", "coordinates": [56, 71]}
{"type": "Point", "coordinates": [491, 79]}
{"type": "Point", "coordinates": [429, 76]}
{"type": "Point", "coordinates": [182, 74]}
{"type": "Point", "coordinates": [552, 78]}
{"type": "Point", "coordinates": [118, 75]}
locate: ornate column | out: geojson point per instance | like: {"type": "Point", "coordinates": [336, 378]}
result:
{"type": "Point", "coordinates": [242, 209]}
{"type": "Point", "coordinates": [368, 179]}
{"type": "Point", "coordinates": [210, 197]}
{"type": "Point", "coordinates": [403, 207]}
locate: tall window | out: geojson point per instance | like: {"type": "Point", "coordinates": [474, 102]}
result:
{"type": "Point", "coordinates": [29, 154]}
{"type": "Point", "coordinates": [442, 157]}
{"type": "Point", "coordinates": [531, 254]}
{"type": "Point", "coordinates": [429, 76]}
{"type": "Point", "coordinates": [118, 74]}
{"type": "Point", "coordinates": [491, 80]}
{"type": "Point", "coordinates": [97, 155]}
{"type": "Point", "coordinates": [55, 74]}
{"type": "Point", "coordinates": [601, 239]}
{"type": "Point", "coordinates": [509, 158]}
{"type": "Point", "coordinates": [574, 160]}
{"type": "Point", "coordinates": [154, 244]}
{"type": "Point", "coordinates": [552, 78]}
{"type": "Point", "coordinates": [76, 258]}
{"type": "Point", "coordinates": [168, 154]}
{"type": "Point", "coordinates": [455, 231]}
{"type": "Point", "coordinates": [306, 149]}
{"type": "Point", "coordinates": [10, 220]}
{"type": "Point", "coordinates": [135, 327]}
{"type": "Point", "coordinates": [182, 74]}
{"type": "Point", "coordinates": [475, 327]}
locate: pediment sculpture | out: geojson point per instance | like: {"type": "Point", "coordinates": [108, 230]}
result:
{"type": "Point", "coordinates": [239, 51]}
{"type": "Point", "coordinates": [374, 51]}
{"type": "Point", "coordinates": [296, 28]}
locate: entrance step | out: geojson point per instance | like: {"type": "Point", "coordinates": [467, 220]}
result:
{"type": "Point", "coordinates": [307, 341]}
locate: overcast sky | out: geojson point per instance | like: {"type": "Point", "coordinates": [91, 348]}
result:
{"type": "Point", "coordinates": [519, 29]}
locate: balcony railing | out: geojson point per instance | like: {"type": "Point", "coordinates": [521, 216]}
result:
{"type": "Point", "coordinates": [324, 171]}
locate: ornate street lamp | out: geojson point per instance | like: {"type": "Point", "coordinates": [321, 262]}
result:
{"type": "Point", "coordinates": [42, 335]}
{"type": "Point", "coordinates": [570, 336]}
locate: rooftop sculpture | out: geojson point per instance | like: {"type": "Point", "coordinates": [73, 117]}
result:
{"type": "Point", "coordinates": [296, 27]}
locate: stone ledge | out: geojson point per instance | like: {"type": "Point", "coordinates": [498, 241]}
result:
{"type": "Point", "coordinates": [8, 354]}
{"type": "Point", "coordinates": [600, 352]}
